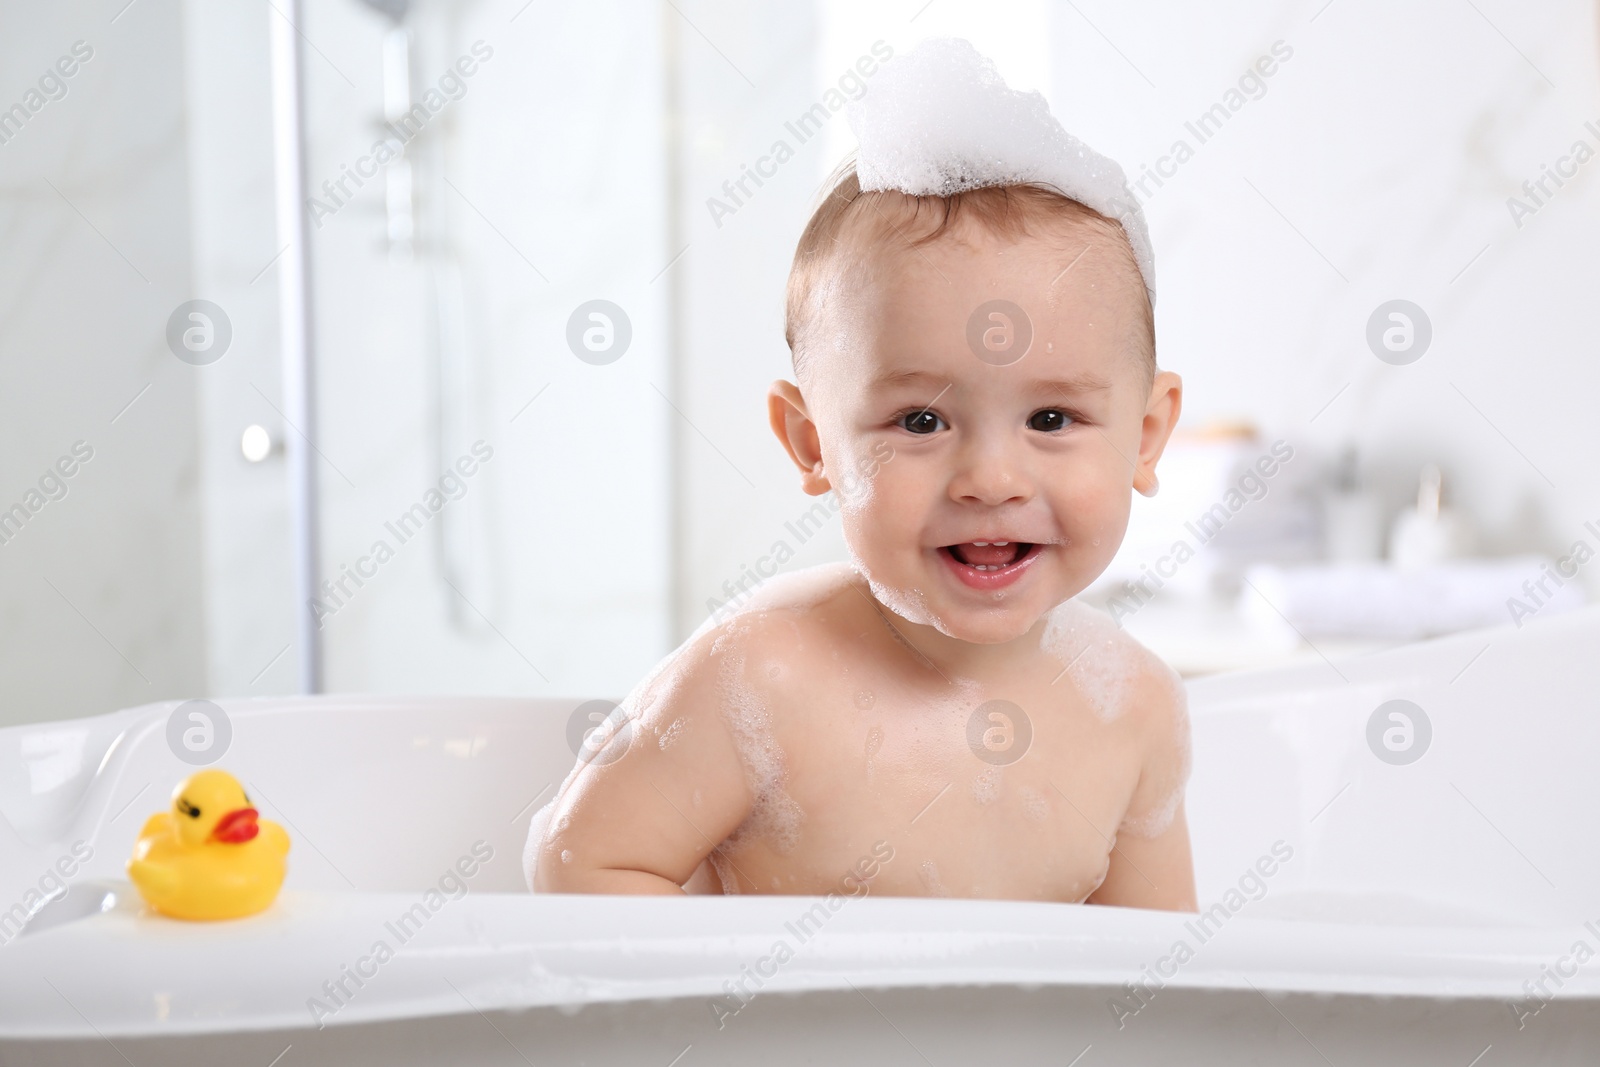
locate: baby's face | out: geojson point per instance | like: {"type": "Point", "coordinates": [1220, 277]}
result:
{"type": "Point", "coordinates": [1009, 483]}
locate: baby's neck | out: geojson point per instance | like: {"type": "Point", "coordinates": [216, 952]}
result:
{"type": "Point", "coordinates": [955, 658]}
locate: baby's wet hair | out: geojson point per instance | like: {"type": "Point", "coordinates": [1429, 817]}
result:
{"type": "Point", "coordinates": [847, 222]}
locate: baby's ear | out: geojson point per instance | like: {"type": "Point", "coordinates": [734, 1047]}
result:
{"type": "Point", "coordinates": [786, 410]}
{"type": "Point", "coordinates": [1160, 417]}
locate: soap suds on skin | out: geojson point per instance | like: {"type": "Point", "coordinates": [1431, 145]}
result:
{"type": "Point", "coordinates": [670, 734]}
{"type": "Point", "coordinates": [1104, 662]}
{"type": "Point", "coordinates": [797, 590]}
{"type": "Point", "coordinates": [1158, 818]}
{"type": "Point", "coordinates": [724, 872]}
{"type": "Point", "coordinates": [774, 815]}
{"type": "Point", "coordinates": [929, 876]}
{"type": "Point", "coordinates": [910, 604]}
{"type": "Point", "coordinates": [986, 786]}
{"type": "Point", "coordinates": [1100, 657]}
{"type": "Point", "coordinates": [1035, 805]}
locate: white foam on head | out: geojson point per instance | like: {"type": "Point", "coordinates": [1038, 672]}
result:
{"type": "Point", "coordinates": [986, 786]}
{"type": "Point", "coordinates": [940, 119]}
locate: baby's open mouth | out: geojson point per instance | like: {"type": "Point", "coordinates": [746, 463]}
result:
{"type": "Point", "coordinates": [990, 564]}
{"type": "Point", "coordinates": [989, 555]}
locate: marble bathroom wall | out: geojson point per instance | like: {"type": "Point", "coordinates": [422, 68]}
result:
{"type": "Point", "coordinates": [100, 541]}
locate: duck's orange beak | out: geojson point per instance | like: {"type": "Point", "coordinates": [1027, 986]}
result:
{"type": "Point", "coordinates": [237, 826]}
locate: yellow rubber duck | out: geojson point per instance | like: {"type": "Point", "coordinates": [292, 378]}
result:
{"type": "Point", "coordinates": [209, 856]}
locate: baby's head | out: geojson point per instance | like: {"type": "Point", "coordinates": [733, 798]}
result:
{"type": "Point", "coordinates": [973, 369]}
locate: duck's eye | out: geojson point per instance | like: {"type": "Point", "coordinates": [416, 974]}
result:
{"type": "Point", "coordinates": [1048, 420]}
{"type": "Point", "coordinates": [188, 808]}
{"type": "Point", "coordinates": [922, 422]}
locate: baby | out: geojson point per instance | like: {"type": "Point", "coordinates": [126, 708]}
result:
{"type": "Point", "coordinates": [976, 380]}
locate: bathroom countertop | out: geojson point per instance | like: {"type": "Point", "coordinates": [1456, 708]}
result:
{"type": "Point", "coordinates": [1197, 638]}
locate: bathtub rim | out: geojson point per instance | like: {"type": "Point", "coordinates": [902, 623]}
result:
{"type": "Point", "coordinates": [936, 944]}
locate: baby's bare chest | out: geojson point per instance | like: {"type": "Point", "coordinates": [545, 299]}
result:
{"type": "Point", "coordinates": [963, 792]}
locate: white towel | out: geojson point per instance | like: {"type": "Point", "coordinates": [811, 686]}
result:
{"type": "Point", "coordinates": [1361, 599]}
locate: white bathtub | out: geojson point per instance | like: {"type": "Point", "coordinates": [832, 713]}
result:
{"type": "Point", "coordinates": [1418, 900]}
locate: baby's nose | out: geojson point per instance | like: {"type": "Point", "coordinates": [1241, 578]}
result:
{"type": "Point", "coordinates": [989, 473]}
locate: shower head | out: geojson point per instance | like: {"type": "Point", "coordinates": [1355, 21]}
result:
{"type": "Point", "coordinates": [395, 9]}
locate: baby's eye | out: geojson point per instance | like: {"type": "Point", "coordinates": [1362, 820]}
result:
{"type": "Point", "coordinates": [922, 421]}
{"type": "Point", "coordinates": [1048, 420]}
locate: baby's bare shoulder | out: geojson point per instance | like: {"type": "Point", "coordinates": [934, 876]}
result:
{"type": "Point", "coordinates": [742, 652]}
{"type": "Point", "coordinates": [1127, 684]}
{"type": "Point", "coordinates": [1117, 676]}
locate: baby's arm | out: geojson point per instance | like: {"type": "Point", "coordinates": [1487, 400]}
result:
{"type": "Point", "coordinates": [1151, 865]}
{"type": "Point", "coordinates": [644, 821]}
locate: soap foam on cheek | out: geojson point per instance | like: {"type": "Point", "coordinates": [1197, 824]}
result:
{"type": "Point", "coordinates": [910, 604]}
{"type": "Point", "coordinates": [853, 486]}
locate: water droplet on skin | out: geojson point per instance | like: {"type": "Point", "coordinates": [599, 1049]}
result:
{"type": "Point", "coordinates": [566, 855]}
{"type": "Point", "coordinates": [562, 824]}
{"type": "Point", "coordinates": [874, 741]}
{"type": "Point", "coordinates": [929, 875]}
{"type": "Point", "coordinates": [1035, 805]}
{"type": "Point", "coordinates": [865, 699]}
{"type": "Point", "coordinates": [986, 786]}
